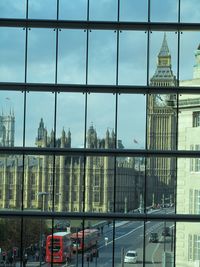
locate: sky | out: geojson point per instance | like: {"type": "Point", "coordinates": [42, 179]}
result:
{"type": "Point", "coordinates": [101, 65]}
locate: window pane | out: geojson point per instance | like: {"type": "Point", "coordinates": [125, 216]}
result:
{"type": "Point", "coordinates": [38, 9]}
{"type": "Point", "coordinates": [13, 9]}
{"type": "Point", "coordinates": [189, 59]}
{"type": "Point", "coordinates": [187, 243]}
{"type": "Point", "coordinates": [163, 59]}
{"type": "Point", "coordinates": [160, 235]}
{"type": "Point", "coordinates": [103, 10]}
{"type": "Point", "coordinates": [11, 177]}
{"type": "Point", "coordinates": [72, 56]}
{"type": "Point", "coordinates": [133, 10]}
{"type": "Point", "coordinates": [38, 183]}
{"type": "Point", "coordinates": [72, 127]}
{"type": "Point", "coordinates": [41, 56]}
{"type": "Point", "coordinates": [10, 238]}
{"type": "Point", "coordinates": [102, 59]}
{"type": "Point", "coordinates": [131, 108]}
{"type": "Point", "coordinates": [73, 10]}
{"type": "Point", "coordinates": [12, 54]}
{"type": "Point", "coordinates": [40, 121]}
{"type": "Point", "coordinates": [100, 121]}
{"type": "Point", "coordinates": [161, 181]}
{"type": "Point", "coordinates": [130, 175]}
{"type": "Point", "coordinates": [166, 12]}
{"type": "Point", "coordinates": [188, 195]}
{"type": "Point", "coordinates": [189, 11]}
{"type": "Point", "coordinates": [11, 118]}
{"type": "Point", "coordinates": [189, 122]}
{"type": "Point", "coordinates": [132, 58]}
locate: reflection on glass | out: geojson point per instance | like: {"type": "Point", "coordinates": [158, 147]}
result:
{"type": "Point", "coordinates": [13, 9]}
{"type": "Point", "coordinates": [131, 120]}
{"type": "Point", "coordinates": [102, 57]}
{"type": "Point", "coordinates": [10, 239]}
{"type": "Point", "coordinates": [72, 56]}
{"type": "Point", "coordinates": [38, 9]}
{"type": "Point", "coordinates": [133, 10]}
{"type": "Point", "coordinates": [35, 232]}
{"type": "Point", "coordinates": [103, 10]}
{"type": "Point", "coordinates": [130, 174]}
{"type": "Point", "coordinates": [41, 56]}
{"type": "Point", "coordinates": [99, 184]}
{"type": "Point", "coordinates": [187, 243]}
{"type": "Point", "coordinates": [132, 63]}
{"type": "Point", "coordinates": [40, 120]}
{"type": "Point", "coordinates": [129, 243]}
{"type": "Point", "coordinates": [188, 193]}
{"type": "Point", "coordinates": [11, 177]}
{"type": "Point", "coordinates": [189, 122]}
{"type": "Point", "coordinates": [11, 122]}
{"type": "Point", "coordinates": [160, 235]}
{"type": "Point", "coordinates": [73, 10]}
{"type": "Point", "coordinates": [38, 183]}
{"type": "Point", "coordinates": [72, 126]}
{"type": "Point", "coordinates": [189, 59]}
{"type": "Point", "coordinates": [161, 181]}
{"type": "Point", "coordinates": [163, 59]}
{"type": "Point", "coordinates": [166, 12]}
{"type": "Point", "coordinates": [12, 54]}
{"type": "Point", "coordinates": [100, 121]}
{"type": "Point", "coordinates": [189, 12]}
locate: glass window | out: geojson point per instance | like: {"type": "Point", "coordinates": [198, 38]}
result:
{"type": "Point", "coordinates": [73, 10]}
{"type": "Point", "coordinates": [12, 65]}
{"type": "Point", "coordinates": [13, 9]}
{"type": "Point", "coordinates": [102, 57]}
{"type": "Point", "coordinates": [103, 10]}
{"type": "Point", "coordinates": [41, 56]}
{"type": "Point", "coordinates": [133, 10]}
{"type": "Point", "coordinates": [38, 9]}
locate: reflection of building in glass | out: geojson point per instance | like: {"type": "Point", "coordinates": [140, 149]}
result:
{"type": "Point", "coordinates": [7, 127]}
{"type": "Point", "coordinates": [161, 135]}
{"type": "Point", "coordinates": [73, 189]}
{"type": "Point", "coordinates": [188, 173]}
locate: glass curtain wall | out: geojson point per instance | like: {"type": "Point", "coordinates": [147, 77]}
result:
{"type": "Point", "coordinates": [99, 133]}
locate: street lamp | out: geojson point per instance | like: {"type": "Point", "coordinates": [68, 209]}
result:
{"type": "Point", "coordinates": [42, 195]}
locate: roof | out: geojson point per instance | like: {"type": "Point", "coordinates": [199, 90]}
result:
{"type": "Point", "coordinates": [61, 233]}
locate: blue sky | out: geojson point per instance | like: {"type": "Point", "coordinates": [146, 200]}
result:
{"type": "Point", "coordinates": [101, 68]}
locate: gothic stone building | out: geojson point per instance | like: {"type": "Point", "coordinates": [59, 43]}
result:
{"type": "Point", "coordinates": [75, 183]}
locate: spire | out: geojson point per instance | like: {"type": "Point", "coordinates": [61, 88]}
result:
{"type": "Point", "coordinates": [163, 75]}
{"type": "Point", "coordinates": [164, 50]}
{"type": "Point", "coordinates": [196, 67]}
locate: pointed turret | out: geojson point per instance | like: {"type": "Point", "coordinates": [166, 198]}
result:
{"type": "Point", "coordinates": [163, 75]}
{"type": "Point", "coordinates": [63, 138]}
{"type": "Point", "coordinates": [196, 67]}
{"type": "Point", "coordinates": [92, 137]}
{"type": "Point", "coordinates": [41, 134]}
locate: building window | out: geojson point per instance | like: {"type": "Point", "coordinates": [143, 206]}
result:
{"type": "Point", "coordinates": [196, 118]}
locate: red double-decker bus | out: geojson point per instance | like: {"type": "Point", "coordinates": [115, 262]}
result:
{"type": "Point", "coordinates": [84, 240]}
{"type": "Point", "coordinates": [60, 246]}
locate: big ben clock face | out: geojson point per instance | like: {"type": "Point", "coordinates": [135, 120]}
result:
{"type": "Point", "coordinates": [161, 100]}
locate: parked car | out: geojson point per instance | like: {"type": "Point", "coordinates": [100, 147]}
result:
{"type": "Point", "coordinates": [153, 238]}
{"type": "Point", "coordinates": [166, 231]}
{"type": "Point", "coordinates": [130, 256]}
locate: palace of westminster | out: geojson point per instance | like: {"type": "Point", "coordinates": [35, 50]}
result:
{"type": "Point", "coordinates": [92, 182]}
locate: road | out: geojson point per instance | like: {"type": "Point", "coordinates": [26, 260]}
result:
{"type": "Point", "coordinates": [129, 235]}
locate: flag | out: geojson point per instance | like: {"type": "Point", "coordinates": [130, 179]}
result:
{"type": "Point", "coordinates": [135, 141]}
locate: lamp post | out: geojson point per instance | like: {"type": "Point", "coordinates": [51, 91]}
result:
{"type": "Point", "coordinates": [42, 195]}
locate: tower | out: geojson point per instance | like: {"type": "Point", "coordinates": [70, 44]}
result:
{"type": "Point", "coordinates": [7, 129]}
{"type": "Point", "coordinates": [161, 128]}
{"type": "Point", "coordinates": [196, 67]}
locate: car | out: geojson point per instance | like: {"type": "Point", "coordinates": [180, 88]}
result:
{"type": "Point", "coordinates": [153, 238]}
{"type": "Point", "coordinates": [130, 256]}
{"type": "Point", "coordinates": [166, 231]}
